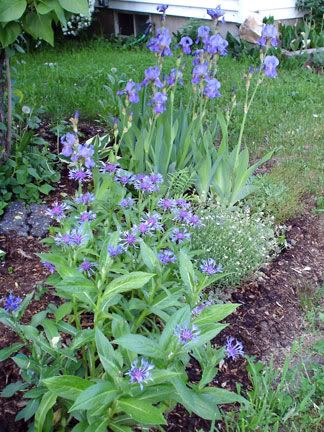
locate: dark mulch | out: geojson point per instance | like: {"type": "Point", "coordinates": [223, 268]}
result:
{"type": "Point", "coordinates": [267, 321]}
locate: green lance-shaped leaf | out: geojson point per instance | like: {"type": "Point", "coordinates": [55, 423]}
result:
{"type": "Point", "coordinates": [6, 352]}
{"type": "Point", "coordinates": [100, 394]}
{"type": "Point", "coordinates": [135, 280]}
{"type": "Point", "coordinates": [139, 345]}
{"type": "Point", "coordinates": [47, 402]}
{"type": "Point", "coordinates": [141, 411]}
{"type": "Point", "coordinates": [66, 386]}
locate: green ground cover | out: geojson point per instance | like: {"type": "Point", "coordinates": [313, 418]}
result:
{"type": "Point", "coordinates": [287, 115]}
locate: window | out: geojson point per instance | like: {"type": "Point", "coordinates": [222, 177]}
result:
{"type": "Point", "coordinates": [127, 24]}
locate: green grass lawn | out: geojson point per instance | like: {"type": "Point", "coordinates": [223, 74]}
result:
{"type": "Point", "coordinates": [287, 115]}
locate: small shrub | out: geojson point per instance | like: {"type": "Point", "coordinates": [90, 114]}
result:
{"type": "Point", "coordinates": [237, 239]}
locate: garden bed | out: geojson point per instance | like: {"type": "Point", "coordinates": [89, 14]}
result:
{"type": "Point", "coordinates": [267, 322]}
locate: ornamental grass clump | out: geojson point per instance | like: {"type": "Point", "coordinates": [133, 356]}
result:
{"type": "Point", "coordinates": [239, 240]}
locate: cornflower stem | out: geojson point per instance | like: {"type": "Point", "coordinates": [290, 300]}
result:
{"type": "Point", "coordinates": [78, 326]}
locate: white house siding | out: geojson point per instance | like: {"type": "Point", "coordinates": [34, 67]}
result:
{"type": "Point", "coordinates": [236, 10]}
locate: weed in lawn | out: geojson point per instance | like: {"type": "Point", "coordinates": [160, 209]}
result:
{"type": "Point", "coordinates": [312, 305]}
{"type": "Point", "coordinates": [281, 400]}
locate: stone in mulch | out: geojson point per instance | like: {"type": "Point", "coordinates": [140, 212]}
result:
{"type": "Point", "coordinates": [23, 220]}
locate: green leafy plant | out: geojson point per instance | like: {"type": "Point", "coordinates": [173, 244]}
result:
{"type": "Point", "coordinates": [114, 353]}
{"type": "Point", "coordinates": [313, 8]}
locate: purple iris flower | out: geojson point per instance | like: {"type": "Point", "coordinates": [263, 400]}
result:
{"type": "Point", "coordinates": [175, 75]}
{"type": "Point", "coordinates": [12, 303]}
{"type": "Point", "coordinates": [198, 57]}
{"type": "Point", "coordinates": [185, 44]}
{"type": "Point", "coordinates": [179, 236]}
{"type": "Point", "coordinates": [109, 167]}
{"type": "Point", "coordinates": [216, 13]}
{"type": "Point", "coordinates": [199, 72]}
{"type": "Point", "coordinates": [140, 373]}
{"type": "Point", "coordinates": [131, 92]}
{"type": "Point", "coordinates": [203, 33]}
{"type": "Point", "coordinates": [198, 309]}
{"type": "Point", "coordinates": [166, 203]}
{"type": "Point", "coordinates": [210, 267]}
{"type": "Point", "coordinates": [152, 75]}
{"type": "Point", "coordinates": [114, 251]}
{"type": "Point", "coordinates": [84, 153]}
{"type": "Point", "coordinates": [162, 7]}
{"type": "Point", "coordinates": [87, 267]}
{"type": "Point", "coordinates": [269, 66]}
{"type": "Point", "coordinates": [269, 35]}
{"type": "Point", "coordinates": [234, 348]}
{"type": "Point", "coordinates": [57, 212]}
{"type": "Point", "coordinates": [49, 266]}
{"type": "Point", "coordinates": [68, 140]}
{"type": "Point", "coordinates": [80, 175]}
{"type": "Point", "coordinates": [87, 216]}
{"type": "Point", "coordinates": [166, 256]}
{"type": "Point", "coordinates": [161, 43]}
{"type": "Point", "coordinates": [216, 44]}
{"type": "Point", "coordinates": [211, 90]}
{"type": "Point", "coordinates": [159, 101]}
{"type": "Point", "coordinates": [85, 198]}
{"type": "Point", "coordinates": [187, 334]}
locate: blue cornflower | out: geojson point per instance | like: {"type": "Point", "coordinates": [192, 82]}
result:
{"type": "Point", "coordinates": [182, 203]}
{"type": "Point", "coordinates": [166, 256]}
{"type": "Point", "coordinates": [198, 309]}
{"type": "Point", "coordinates": [153, 221]}
{"type": "Point", "coordinates": [87, 216]}
{"type": "Point", "coordinates": [269, 66]}
{"type": "Point", "coordinates": [49, 266]}
{"type": "Point", "coordinates": [234, 348]}
{"type": "Point", "coordinates": [193, 220]}
{"type": "Point", "coordinates": [179, 236]}
{"type": "Point", "coordinates": [187, 334]}
{"type": "Point", "coordinates": [80, 175]}
{"type": "Point", "coordinates": [126, 202]}
{"type": "Point", "coordinates": [166, 203]}
{"type": "Point", "coordinates": [210, 267]}
{"type": "Point", "coordinates": [156, 178]}
{"type": "Point", "coordinates": [185, 44]}
{"type": "Point", "coordinates": [181, 215]}
{"type": "Point", "coordinates": [85, 198]}
{"type": "Point", "coordinates": [129, 238]}
{"type": "Point", "coordinates": [57, 211]}
{"type": "Point", "coordinates": [87, 267]}
{"type": "Point", "coordinates": [109, 167]}
{"type": "Point", "coordinates": [123, 177]}
{"type": "Point", "coordinates": [269, 36]}
{"type": "Point", "coordinates": [144, 183]}
{"type": "Point", "coordinates": [114, 251]}
{"type": "Point", "coordinates": [12, 303]}
{"type": "Point", "coordinates": [140, 373]}
{"type": "Point", "coordinates": [211, 90]}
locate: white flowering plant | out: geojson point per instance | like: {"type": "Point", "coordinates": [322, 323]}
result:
{"type": "Point", "coordinates": [78, 22]}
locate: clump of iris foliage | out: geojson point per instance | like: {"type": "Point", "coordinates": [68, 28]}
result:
{"type": "Point", "coordinates": [113, 352]}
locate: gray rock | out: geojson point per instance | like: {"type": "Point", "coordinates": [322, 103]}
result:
{"type": "Point", "coordinates": [38, 220]}
{"type": "Point", "coordinates": [15, 219]}
{"type": "Point", "coordinates": [25, 220]}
